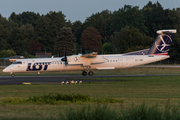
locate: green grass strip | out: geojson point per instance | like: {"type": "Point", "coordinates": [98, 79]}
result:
{"type": "Point", "coordinates": [55, 98]}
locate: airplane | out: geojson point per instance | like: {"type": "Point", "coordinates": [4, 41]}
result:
{"type": "Point", "coordinates": [93, 61]}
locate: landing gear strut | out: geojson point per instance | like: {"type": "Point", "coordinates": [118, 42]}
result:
{"type": "Point", "coordinates": [12, 75]}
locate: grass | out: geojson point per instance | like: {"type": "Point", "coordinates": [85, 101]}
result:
{"type": "Point", "coordinates": [58, 99]}
{"type": "Point", "coordinates": [133, 90]}
{"type": "Point", "coordinates": [141, 112]}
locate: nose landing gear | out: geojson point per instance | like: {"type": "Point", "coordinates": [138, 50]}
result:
{"type": "Point", "coordinates": [12, 74]}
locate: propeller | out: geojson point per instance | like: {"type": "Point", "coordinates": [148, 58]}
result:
{"type": "Point", "coordinates": [64, 59]}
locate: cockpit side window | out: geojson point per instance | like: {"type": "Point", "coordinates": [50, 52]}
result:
{"type": "Point", "coordinates": [17, 62]}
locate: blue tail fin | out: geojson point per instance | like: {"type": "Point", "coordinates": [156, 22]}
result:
{"type": "Point", "coordinates": [162, 44]}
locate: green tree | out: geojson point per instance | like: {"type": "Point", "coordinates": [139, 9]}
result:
{"type": "Point", "coordinates": [19, 37]}
{"type": "Point", "coordinates": [100, 21]}
{"type": "Point", "coordinates": [107, 48]}
{"type": "Point", "coordinates": [5, 31]}
{"type": "Point", "coordinates": [129, 40]}
{"type": "Point", "coordinates": [18, 40]}
{"type": "Point", "coordinates": [24, 18]}
{"type": "Point", "coordinates": [44, 35]}
{"type": "Point", "coordinates": [47, 28]}
{"type": "Point", "coordinates": [7, 53]}
{"type": "Point", "coordinates": [56, 21]}
{"type": "Point", "coordinates": [128, 16]}
{"type": "Point", "coordinates": [33, 46]}
{"type": "Point", "coordinates": [91, 40]}
{"type": "Point", "coordinates": [65, 42]}
{"type": "Point", "coordinates": [77, 29]}
{"type": "Point", "coordinates": [157, 18]}
{"type": "Point", "coordinates": [116, 40]}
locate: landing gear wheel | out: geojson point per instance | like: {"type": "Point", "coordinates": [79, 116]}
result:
{"type": "Point", "coordinates": [91, 73]}
{"type": "Point", "coordinates": [84, 73]}
{"type": "Point", "coordinates": [12, 75]}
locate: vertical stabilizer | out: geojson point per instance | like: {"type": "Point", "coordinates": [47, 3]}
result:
{"type": "Point", "coordinates": [162, 44]}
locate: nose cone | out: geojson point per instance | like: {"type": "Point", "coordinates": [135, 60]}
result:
{"type": "Point", "coordinates": [6, 70]}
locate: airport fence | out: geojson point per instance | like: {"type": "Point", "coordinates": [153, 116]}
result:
{"type": "Point", "coordinates": [4, 62]}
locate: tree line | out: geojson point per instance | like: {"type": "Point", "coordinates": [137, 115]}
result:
{"type": "Point", "coordinates": [127, 29]}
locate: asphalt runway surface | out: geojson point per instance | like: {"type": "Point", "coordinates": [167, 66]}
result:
{"type": "Point", "coordinates": [8, 80]}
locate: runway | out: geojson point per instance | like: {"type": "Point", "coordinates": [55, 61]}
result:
{"type": "Point", "coordinates": [8, 80]}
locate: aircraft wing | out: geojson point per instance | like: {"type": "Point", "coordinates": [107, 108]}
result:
{"type": "Point", "coordinates": [90, 55]}
{"type": "Point", "coordinates": [86, 60]}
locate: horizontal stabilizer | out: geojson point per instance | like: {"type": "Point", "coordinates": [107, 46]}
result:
{"type": "Point", "coordinates": [166, 31]}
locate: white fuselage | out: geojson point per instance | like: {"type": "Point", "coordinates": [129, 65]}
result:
{"type": "Point", "coordinates": [117, 61]}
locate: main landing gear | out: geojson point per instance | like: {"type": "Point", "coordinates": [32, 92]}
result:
{"type": "Point", "coordinates": [90, 73]}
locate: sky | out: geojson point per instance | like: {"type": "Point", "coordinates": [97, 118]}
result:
{"type": "Point", "coordinates": [75, 9]}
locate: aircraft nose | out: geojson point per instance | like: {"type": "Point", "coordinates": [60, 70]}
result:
{"type": "Point", "coordinates": [6, 70]}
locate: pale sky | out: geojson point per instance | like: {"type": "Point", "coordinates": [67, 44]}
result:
{"type": "Point", "coordinates": [74, 9]}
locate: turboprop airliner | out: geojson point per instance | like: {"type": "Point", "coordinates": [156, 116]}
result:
{"type": "Point", "coordinates": [93, 61]}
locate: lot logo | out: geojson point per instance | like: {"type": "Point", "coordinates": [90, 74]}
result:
{"type": "Point", "coordinates": [37, 66]}
{"type": "Point", "coordinates": [76, 59]}
{"type": "Point", "coordinates": [164, 43]}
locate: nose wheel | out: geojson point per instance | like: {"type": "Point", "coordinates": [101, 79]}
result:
{"type": "Point", "coordinates": [12, 75]}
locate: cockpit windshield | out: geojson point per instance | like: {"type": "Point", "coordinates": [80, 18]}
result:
{"type": "Point", "coordinates": [17, 62]}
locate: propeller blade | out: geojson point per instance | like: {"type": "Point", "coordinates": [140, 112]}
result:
{"type": "Point", "coordinates": [64, 59]}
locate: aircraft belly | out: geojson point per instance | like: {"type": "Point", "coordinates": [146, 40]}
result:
{"type": "Point", "coordinates": [77, 67]}
{"type": "Point", "coordinates": [105, 66]}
